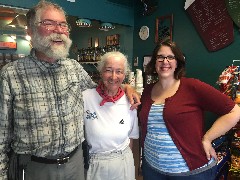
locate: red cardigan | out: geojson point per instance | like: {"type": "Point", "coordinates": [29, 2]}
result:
{"type": "Point", "coordinates": [184, 116]}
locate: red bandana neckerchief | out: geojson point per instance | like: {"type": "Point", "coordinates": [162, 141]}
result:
{"type": "Point", "coordinates": [106, 98]}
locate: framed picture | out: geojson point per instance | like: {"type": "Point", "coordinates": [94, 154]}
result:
{"type": "Point", "coordinates": [148, 79]}
{"type": "Point", "coordinates": [146, 60]}
{"type": "Point", "coordinates": [164, 27]}
{"type": "Point", "coordinates": [113, 40]}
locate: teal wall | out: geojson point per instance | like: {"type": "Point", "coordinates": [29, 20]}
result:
{"type": "Point", "coordinates": [81, 36]}
{"type": "Point", "coordinates": [201, 63]}
{"type": "Point", "coordinates": [93, 9]}
{"type": "Point", "coordinates": [23, 46]}
{"type": "Point", "coordinates": [105, 11]}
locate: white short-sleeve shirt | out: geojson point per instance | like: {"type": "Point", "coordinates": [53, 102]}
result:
{"type": "Point", "coordinates": [108, 127]}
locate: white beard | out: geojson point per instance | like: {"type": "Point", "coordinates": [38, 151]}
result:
{"type": "Point", "coordinates": [43, 44]}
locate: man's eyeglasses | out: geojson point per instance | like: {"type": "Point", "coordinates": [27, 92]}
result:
{"type": "Point", "coordinates": [51, 25]}
{"type": "Point", "coordinates": [161, 58]}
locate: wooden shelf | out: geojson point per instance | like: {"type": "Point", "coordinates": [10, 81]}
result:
{"type": "Point", "coordinates": [87, 62]}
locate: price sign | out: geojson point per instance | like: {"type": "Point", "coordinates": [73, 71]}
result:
{"type": "Point", "coordinates": [8, 45]}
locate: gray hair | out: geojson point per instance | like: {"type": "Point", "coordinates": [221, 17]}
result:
{"type": "Point", "coordinates": [108, 55]}
{"type": "Point", "coordinates": [33, 15]}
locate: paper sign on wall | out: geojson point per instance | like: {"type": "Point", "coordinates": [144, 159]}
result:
{"type": "Point", "coordinates": [8, 45]}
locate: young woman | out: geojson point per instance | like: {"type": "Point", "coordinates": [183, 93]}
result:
{"type": "Point", "coordinates": [172, 120]}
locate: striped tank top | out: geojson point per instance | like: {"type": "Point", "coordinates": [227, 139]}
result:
{"type": "Point", "coordinates": [159, 149]}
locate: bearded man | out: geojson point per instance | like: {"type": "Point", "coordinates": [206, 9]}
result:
{"type": "Point", "coordinates": [41, 106]}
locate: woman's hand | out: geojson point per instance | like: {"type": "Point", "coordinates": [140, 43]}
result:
{"type": "Point", "coordinates": [209, 150]}
{"type": "Point", "coordinates": [220, 127]}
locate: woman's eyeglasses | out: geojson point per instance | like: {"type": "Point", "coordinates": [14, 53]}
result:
{"type": "Point", "coordinates": [161, 58]}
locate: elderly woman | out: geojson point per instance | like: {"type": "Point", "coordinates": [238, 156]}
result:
{"type": "Point", "coordinates": [110, 125]}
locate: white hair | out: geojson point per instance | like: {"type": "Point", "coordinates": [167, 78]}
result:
{"type": "Point", "coordinates": [108, 55]}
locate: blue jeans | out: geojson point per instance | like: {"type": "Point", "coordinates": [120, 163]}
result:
{"type": "Point", "coordinates": [151, 174]}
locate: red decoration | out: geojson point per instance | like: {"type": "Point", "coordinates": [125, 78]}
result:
{"type": "Point", "coordinates": [212, 22]}
{"type": "Point", "coordinates": [8, 45]}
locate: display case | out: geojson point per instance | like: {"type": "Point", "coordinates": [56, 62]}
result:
{"type": "Point", "coordinates": [222, 147]}
{"type": "Point", "coordinates": [229, 82]}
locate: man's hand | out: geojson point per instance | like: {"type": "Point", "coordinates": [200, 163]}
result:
{"type": "Point", "coordinates": [133, 96]}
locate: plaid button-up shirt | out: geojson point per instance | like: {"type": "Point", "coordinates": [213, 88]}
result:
{"type": "Point", "coordinates": [41, 107]}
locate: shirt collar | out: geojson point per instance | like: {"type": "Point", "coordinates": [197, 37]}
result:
{"type": "Point", "coordinates": [45, 66]}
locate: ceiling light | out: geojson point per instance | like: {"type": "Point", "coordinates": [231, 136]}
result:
{"type": "Point", "coordinates": [106, 26]}
{"type": "Point", "coordinates": [83, 22]}
{"type": "Point", "coordinates": [27, 37]}
{"type": "Point", "coordinates": [14, 36]}
{"type": "Point", "coordinates": [19, 21]}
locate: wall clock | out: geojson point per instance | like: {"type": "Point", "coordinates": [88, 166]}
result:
{"type": "Point", "coordinates": [144, 32]}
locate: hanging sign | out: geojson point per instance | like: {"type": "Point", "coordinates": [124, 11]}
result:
{"type": "Point", "coordinates": [8, 45]}
{"type": "Point", "coordinates": [212, 22]}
